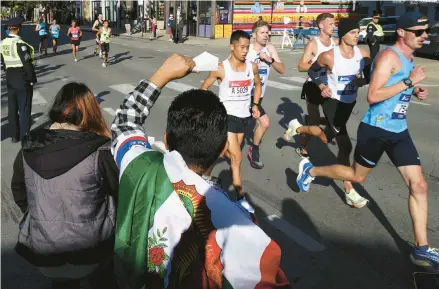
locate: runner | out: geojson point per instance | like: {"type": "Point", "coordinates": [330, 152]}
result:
{"type": "Point", "coordinates": [311, 92]}
{"type": "Point", "coordinates": [96, 27]}
{"type": "Point", "coordinates": [105, 34]}
{"type": "Point", "coordinates": [264, 54]}
{"type": "Point", "coordinates": [384, 129]}
{"type": "Point", "coordinates": [75, 34]}
{"type": "Point", "coordinates": [345, 63]}
{"type": "Point", "coordinates": [237, 77]}
{"type": "Point", "coordinates": [54, 30]}
{"type": "Point", "coordinates": [42, 30]}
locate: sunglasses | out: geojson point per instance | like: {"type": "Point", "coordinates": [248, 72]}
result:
{"type": "Point", "coordinates": [419, 32]}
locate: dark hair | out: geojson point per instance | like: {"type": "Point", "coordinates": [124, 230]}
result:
{"type": "Point", "coordinates": [259, 23]}
{"type": "Point", "coordinates": [76, 104]}
{"type": "Point", "coordinates": [238, 34]}
{"type": "Point", "coordinates": [74, 20]}
{"type": "Point", "coordinates": [197, 127]}
{"type": "Point", "coordinates": [105, 21]}
{"type": "Point", "coordinates": [323, 17]}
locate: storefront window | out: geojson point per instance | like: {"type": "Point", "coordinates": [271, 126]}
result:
{"type": "Point", "coordinates": [159, 10]}
{"type": "Point", "coordinates": [223, 12]}
{"type": "Point", "coordinates": [205, 12]}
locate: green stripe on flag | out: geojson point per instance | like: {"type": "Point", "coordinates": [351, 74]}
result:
{"type": "Point", "coordinates": [144, 187]}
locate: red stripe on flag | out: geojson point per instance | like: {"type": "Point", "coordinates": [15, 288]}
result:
{"type": "Point", "coordinates": [272, 275]}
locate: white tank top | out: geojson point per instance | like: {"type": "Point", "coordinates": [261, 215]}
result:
{"type": "Point", "coordinates": [235, 90]}
{"type": "Point", "coordinates": [320, 49]}
{"type": "Point", "coordinates": [263, 67]}
{"type": "Point", "coordinates": [343, 73]}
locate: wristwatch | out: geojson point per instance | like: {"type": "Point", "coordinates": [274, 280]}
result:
{"type": "Point", "coordinates": [272, 60]}
{"type": "Point", "coordinates": [408, 82]}
{"type": "Point", "coordinates": [254, 103]}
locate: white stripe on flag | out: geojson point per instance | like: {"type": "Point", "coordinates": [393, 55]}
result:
{"type": "Point", "coordinates": [123, 88]}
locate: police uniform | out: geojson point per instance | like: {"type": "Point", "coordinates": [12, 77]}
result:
{"type": "Point", "coordinates": [375, 35]}
{"type": "Point", "coordinates": [19, 60]}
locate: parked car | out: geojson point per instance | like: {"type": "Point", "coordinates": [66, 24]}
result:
{"type": "Point", "coordinates": [431, 45]}
{"type": "Point", "coordinates": [387, 22]}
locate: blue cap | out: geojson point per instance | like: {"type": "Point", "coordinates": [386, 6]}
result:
{"type": "Point", "coordinates": [14, 21]}
{"type": "Point", "coordinates": [411, 19]}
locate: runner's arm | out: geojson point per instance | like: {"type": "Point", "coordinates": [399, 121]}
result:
{"type": "Point", "coordinates": [94, 26]}
{"type": "Point", "coordinates": [213, 76]}
{"type": "Point", "coordinates": [325, 60]}
{"type": "Point", "coordinates": [305, 61]}
{"type": "Point", "coordinates": [128, 133]}
{"type": "Point", "coordinates": [277, 64]}
{"type": "Point", "coordinates": [258, 87]}
{"type": "Point", "coordinates": [383, 67]}
{"type": "Point", "coordinates": [80, 32]}
{"type": "Point", "coordinates": [37, 28]}
{"type": "Point", "coordinates": [68, 32]}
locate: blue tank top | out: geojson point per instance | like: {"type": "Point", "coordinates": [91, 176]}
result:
{"type": "Point", "coordinates": [43, 29]}
{"type": "Point", "coordinates": [55, 31]}
{"type": "Point", "coordinates": [391, 114]}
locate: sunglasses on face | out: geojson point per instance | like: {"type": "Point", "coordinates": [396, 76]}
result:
{"type": "Point", "coordinates": [419, 32]}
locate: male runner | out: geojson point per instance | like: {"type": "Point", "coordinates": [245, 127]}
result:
{"type": "Point", "coordinates": [105, 34]}
{"type": "Point", "coordinates": [264, 54]}
{"type": "Point", "coordinates": [97, 25]}
{"type": "Point", "coordinates": [75, 34]}
{"type": "Point", "coordinates": [54, 30]}
{"type": "Point", "coordinates": [237, 77]}
{"type": "Point", "coordinates": [311, 92]}
{"type": "Point", "coordinates": [42, 31]}
{"type": "Point", "coordinates": [384, 129]}
{"type": "Point", "coordinates": [344, 64]}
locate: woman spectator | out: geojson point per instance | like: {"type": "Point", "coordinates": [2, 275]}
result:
{"type": "Point", "coordinates": [65, 182]}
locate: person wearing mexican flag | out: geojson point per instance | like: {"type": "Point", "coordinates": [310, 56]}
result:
{"type": "Point", "coordinates": [176, 227]}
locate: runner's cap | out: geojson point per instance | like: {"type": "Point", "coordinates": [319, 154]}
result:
{"type": "Point", "coordinates": [411, 19]}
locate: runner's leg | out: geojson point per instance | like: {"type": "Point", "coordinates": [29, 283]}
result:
{"type": "Point", "coordinates": [235, 155]}
{"type": "Point", "coordinates": [74, 50]}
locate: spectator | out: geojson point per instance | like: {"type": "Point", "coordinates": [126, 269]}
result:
{"type": "Point", "coordinates": [65, 182]}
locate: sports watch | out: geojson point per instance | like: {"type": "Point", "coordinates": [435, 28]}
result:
{"type": "Point", "coordinates": [408, 82]}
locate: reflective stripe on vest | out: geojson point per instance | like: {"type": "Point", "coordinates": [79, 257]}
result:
{"type": "Point", "coordinates": [379, 28]}
{"type": "Point", "coordinates": [10, 52]}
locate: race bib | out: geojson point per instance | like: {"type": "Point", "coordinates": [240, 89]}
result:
{"type": "Point", "coordinates": [240, 88]}
{"type": "Point", "coordinates": [263, 73]}
{"type": "Point", "coordinates": [75, 35]}
{"type": "Point", "coordinates": [400, 111]}
{"type": "Point", "coordinates": [346, 85]}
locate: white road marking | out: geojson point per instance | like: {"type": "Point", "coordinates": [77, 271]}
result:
{"type": "Point", "coordinates": [123, 88]}
{"type": "Point", "coordinates": [180, 87]}
{"type": "Point", "coordinates": [159, 50]}
{"type": "Point", "coordinates": [282, 86]}
{"type": "Point", "coordinates": [295, 234]}
{"type": "Point", "coordinates": [110, 111]}
{"type": "Point", "coordinates": [421, 103]}
{"type": "Point", "coordinates": [299, 79]}
{"type": "Point", "coordinates": [37, 99]}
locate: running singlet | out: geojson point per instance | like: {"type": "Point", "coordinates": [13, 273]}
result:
{"type": "Point", "coordinates": [391, 114]}
{"type": "Point", "coordinates": [235, 90]}
{"type": "Point", "coordinates": [43, 29]}
{"type": "Point", "coordinates": [263, 67]}
{"type": "Point", "coordinates": [55, 31]}
{"type": "Point", "coordinates": [75, 32]}
{"type": "Point", "coordinates": [105, 35]}
{"type": "Point", "coordinates": [320, 49]}
{"type": "Point", "coordinates": [344, 73]}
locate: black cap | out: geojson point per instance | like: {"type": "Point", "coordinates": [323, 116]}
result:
{"type": "Point", "coordinates": [14, 21]}
{"type": "Point", "coordinates": [410, 19]}
{"type": "Point", "coordinates": [345, 25]}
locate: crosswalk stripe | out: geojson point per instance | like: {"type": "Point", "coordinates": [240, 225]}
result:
{"type": "Point", "coordinates": [283, 86]}
{"type": "Point", "coordinates": [110, 111]}
{"type": "Point", "coordinates": [299, 79]}
{"type": "Point", "coordinates": [37, 98]}
{"type": "Point", "coordinates": [180, 87]}
{"type": "Point", "coordinates": [123, 88]}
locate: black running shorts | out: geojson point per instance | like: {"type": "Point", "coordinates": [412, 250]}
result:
{"type": "Point", "coordinates": [312, 93]}
{"type": "Point", "coordinates": [105, 47]}
{"type": "Point", "coordinates": [237, 124]}
{"type": "Point", "coordinates": [337, 114]}
{"type": "Point", "coordinates": [373, 141]}
{"type": "Point", "coordinates": [75, 42]}
{"type": "Point", "coordinates": [43, 37]}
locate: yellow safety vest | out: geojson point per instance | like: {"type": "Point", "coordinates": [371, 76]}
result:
{"type": "Point", "coordinates": [379, 32]}
{"type": "Point", "coordinates": [10, 52]}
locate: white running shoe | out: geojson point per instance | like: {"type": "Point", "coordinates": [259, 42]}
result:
{"type": "Point", "coordinates": [76, 60]}
{"type": "Point", "coordinates": [292, 129]}
{"type": "Point", "coordinates": [354, 199]}
{"type": "Point", "coordinates": [246, 205]}
{"type": "Point", "coordinates": [103, 64]}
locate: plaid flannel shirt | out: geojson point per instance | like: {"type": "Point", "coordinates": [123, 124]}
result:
{"type": "Point", "coordinates": [128, 125]}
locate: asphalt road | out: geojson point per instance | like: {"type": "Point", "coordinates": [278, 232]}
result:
{"type": "Point", "coordinates": [325, 243]}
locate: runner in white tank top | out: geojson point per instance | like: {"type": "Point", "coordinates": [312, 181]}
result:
{"type": "Point", "coordinates": [263, 54]}
{"type": "Point", "coordinates": [237, 77]}
{"type": "Point", "coordinates": [322, 43]}
{"type": "Point", "coordinates": [344, 66]}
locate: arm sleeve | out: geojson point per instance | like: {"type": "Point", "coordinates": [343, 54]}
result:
{"type": "Point", "coordinates": [314, 73]}
{"type": "Point", "coordinates": [370, 30]}
{"type": "Point", "coordinates": [24, 53]}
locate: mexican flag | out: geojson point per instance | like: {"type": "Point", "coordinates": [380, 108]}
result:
{"type": "Point", "coordinates": [175, 230]}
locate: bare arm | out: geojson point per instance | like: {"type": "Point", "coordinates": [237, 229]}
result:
{"type": "Point", "coordinates": [68, 32]}
{"type": "Point", "coordinates": [258, 85]}
{"type": "Point", "coordinates": [277, 64]}
{"type": "Point", "coordinates": [80, 32]}
{"type": "Point", "coordinates": [308, 54]}
{"type": "Point", "coordinates": [385, 64]}
{"type": "Point", "coordinates": [213, 76]}
{"type": "Point", "coordinates": [37, 28]}
{"type": "Point", "coordinates": [94, 26]}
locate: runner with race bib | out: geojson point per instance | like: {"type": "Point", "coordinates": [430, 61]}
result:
{"type": "Point", "coordinates": [237, 77]}
{"type": "Point", "coordinates": [75, 34]}
{"type": "Point", "coordinates": [105, 34]}
{"type": "Point", "coordinates": [54, 31]}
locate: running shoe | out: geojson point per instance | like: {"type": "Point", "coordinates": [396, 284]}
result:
{"type": "Point", "coordinates": [246, 205]}
{"type": "Point", "coordinates": [253, 157]}
{"type": "Point", "coordinates": [292, 129]}
{"type": "Point", "coordinates": [304, 179]}
{"type": "Point", "coordinates": [354, 199]}
{"type": "Point", "coordinates": [103, 64]}
{"type": "Point", "coordinates": [426, 257]}
{"type": "Point", "coordinates": [76, 60]}
{"type": "Point", "coordinates": [302, 152]}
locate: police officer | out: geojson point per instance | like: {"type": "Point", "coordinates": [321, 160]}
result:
{"type": "Point", "coordinates": [18, 58]}
{"type": "Point", "coordinates": [375, 35]}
